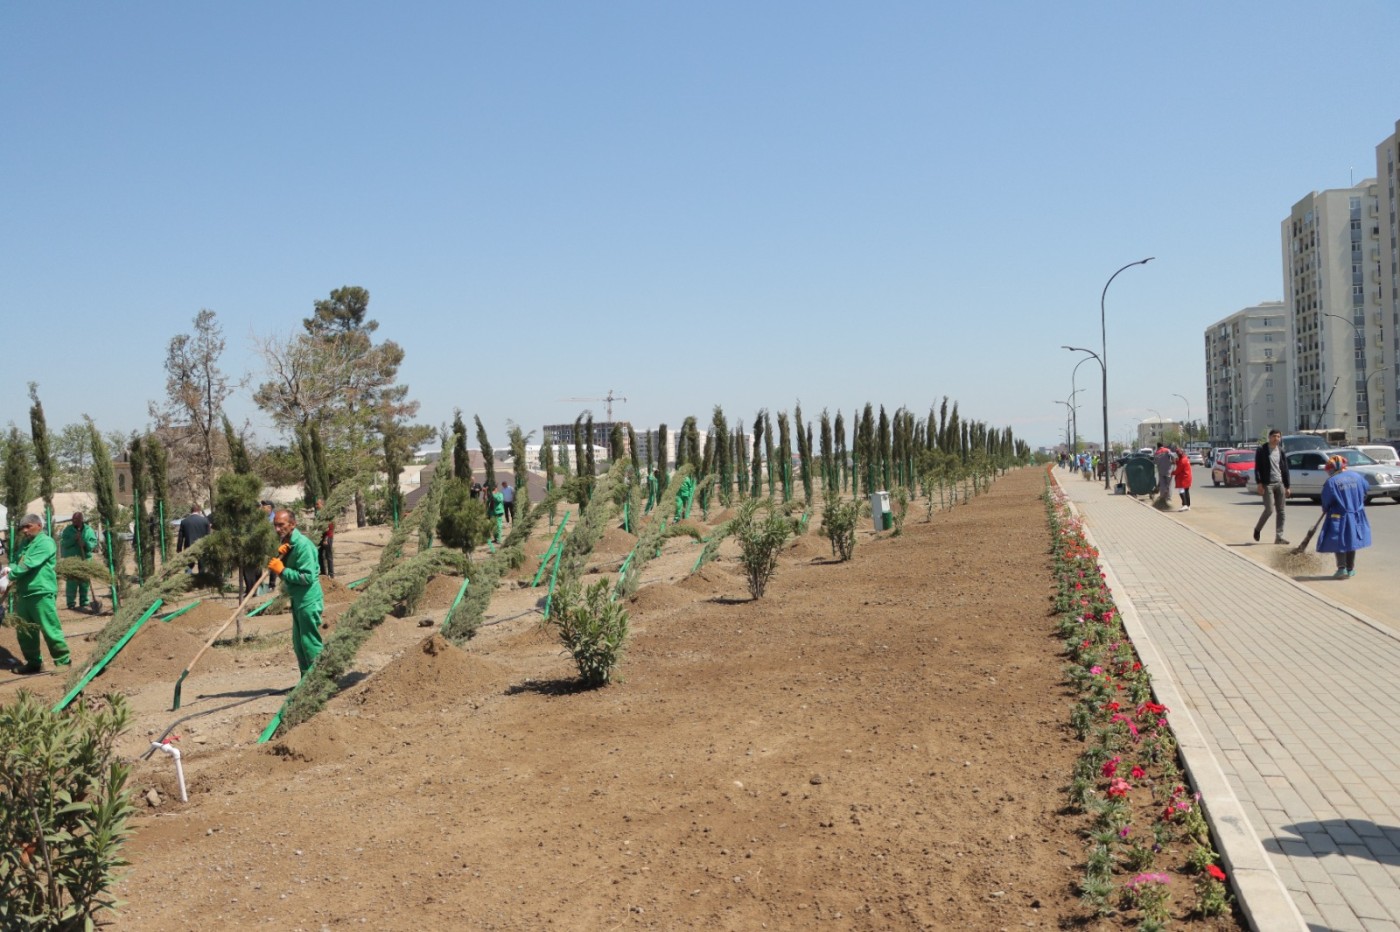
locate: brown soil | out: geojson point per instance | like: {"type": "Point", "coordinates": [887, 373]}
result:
{"type": "Point", "coordinates": [873, 745]}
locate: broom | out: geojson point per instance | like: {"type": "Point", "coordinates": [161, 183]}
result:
{"type": "Point", "coordinates": [1308, 537]}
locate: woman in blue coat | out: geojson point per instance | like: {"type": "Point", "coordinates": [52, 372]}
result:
{"type": "Point", "coordinates": [1345, 529]}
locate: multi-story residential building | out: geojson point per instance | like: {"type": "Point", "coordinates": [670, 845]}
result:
{"type": "Point", "coordinates": [1386, 284]}
{"type": "Point", "coordinates": [1249, 385]}
{"type": "Point", "coordinates": [1331, 248]}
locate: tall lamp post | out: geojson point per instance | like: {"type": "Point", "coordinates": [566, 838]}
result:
{"type": "Point", "coordinates": [1074, 391]}
{"type": "Point", "coordinates": [1188, 413]}
{"type": "Point", "coordinates": [1069, 412]}
{"type": "Point", "coordinates": [1080, 349]}
{"type": "Point", "coordinates": [1365, 379]}
{"type": "Point", "coordinates": [1103, 359]}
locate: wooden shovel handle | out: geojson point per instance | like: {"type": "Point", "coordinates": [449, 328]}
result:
{"type": "Point", "coordinates": [210, 643]}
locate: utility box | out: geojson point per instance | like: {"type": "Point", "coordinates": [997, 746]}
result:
{"type": "Point", "coordinates": [880, 511]}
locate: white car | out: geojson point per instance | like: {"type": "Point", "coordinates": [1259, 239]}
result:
{"type": "Point", "coordinates": [1382, 453]}
{"type": "Point", "coordinates": [1307, 471]}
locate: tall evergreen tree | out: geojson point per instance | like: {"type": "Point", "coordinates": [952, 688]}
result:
{"type": "Point", "coordinates": [461, 461]}
{"type": "Point", "coordinates": [828, 458]}
{"type": "Point", "coordinates": [488, 456]}
{"type": "Point", "coordinates": [768, 451]}
{"type": "Point", "coordinates": [157, 465]}
{"type": "Point", "coordinates": [839, 448]}
{"type": "Point", "coordinates": [396, 453]}
{"type": "Point", "coordinates": [804, 452]}
{"type": "Point", "coordinates": [865, 448]}
{"type": "Point", "coordinates": [662, 459]}
{"type": "Point", "coordinates": [615, 442]}
{"type": "Point", "coordinates": [785, 455]}
{"type": "Point", "coordinates": [39, 432]}
{"type": "Point", "coordinates": [311, 490]}
{"type": "Point", "coordinates": [579, 459]}
{"type": "Point", "coordinates": [17, 473]}
{"type": "Point", "coordinates": [547, 462]}
{"type": "Point", "coordinates": [519, 463]}
{"type": "Point", "coordinates": [318, 462]}
{"type": "Point", "coordinates": [237, 449]}
{"type": "Point", "coordinates": [104, 483]}
{"type": "Point", "coordinates": [141, 527]}
{"type": "Point", "coordinates": [592, 468]}
{"type": "Point", "coordinates": [882, 439]}
{"type": "Point", "coordinates": [756, 487]}
{"type": "Point", "coordinates": [724, 467]}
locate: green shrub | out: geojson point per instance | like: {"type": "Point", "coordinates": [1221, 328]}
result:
{"type": "Point", "coordinates": [592, 627]}
{"type": "Point", "coordinates": [760, 540]}
{"type": "Point", "coordinates": [839, 526]}
{"type": "Point", "coordinates": [64, 807]}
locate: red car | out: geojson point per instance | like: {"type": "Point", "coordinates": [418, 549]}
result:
{"type": "Point", "coordinates": [1232, 467]}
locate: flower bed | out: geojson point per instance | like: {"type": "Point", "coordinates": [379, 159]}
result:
{"type": "Point", "coordinates": [1150, 859]}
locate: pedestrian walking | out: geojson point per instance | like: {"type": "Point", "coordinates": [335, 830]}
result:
{"type": "Point", "coordinates": [79, 540]}
{"type": "Point", "coordinates": [1345, 528]}
{"type": "Point", "coordinates": [508, 499]}
{"type": "Point", "coordinates": [34, 576]}
{"type": "Point", "coordinates": [1271, 476]}
{"type": "Point", "coordinates": [1165, 463]}
{"type": "Point", "coordinates": [297, 564]}
{"type": "Point", "coordinates": [325, 550]}
{"type": "Point", "coordinates": [1182, 475]}
{"type": "Point", "coordinates": [497, 503]}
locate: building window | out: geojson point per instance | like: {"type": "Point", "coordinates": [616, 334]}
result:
{"type": "Point", "coordinates": [121, 482]}
{"type": "Point", "coordinates": [1268, 367]}
{"type": "Point", "coordinates": [1268, 354]}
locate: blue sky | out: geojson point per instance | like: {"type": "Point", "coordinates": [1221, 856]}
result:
{"type": "Point", "coordinates": [742, 204]}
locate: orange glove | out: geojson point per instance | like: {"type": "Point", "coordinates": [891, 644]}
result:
{"type": "Point", "coordinates": [275, 565]}
{"type": "Point", "coordinates": [283, 550]}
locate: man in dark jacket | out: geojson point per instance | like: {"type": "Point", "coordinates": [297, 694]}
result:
{"type": "Point", "coordinates": [1271, 475]}
{"type": "Point", "coordinates": [194, 527]}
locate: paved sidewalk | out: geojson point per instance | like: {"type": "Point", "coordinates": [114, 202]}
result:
{"type": "Point", "coordinates": [1290, 696]}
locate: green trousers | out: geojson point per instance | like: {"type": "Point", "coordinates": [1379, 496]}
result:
{"type": "Point", "coordinates": [38, 614]}
{"type": "Point", "coordinates": [76, 589]}
{"type": "Point", "coordinates": [306, 632]}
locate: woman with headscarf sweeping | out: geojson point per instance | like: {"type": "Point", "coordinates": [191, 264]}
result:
{"type": "Point", "coordinates": [1345, 528]}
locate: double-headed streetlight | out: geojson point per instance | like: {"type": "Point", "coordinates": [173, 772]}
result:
{"type": "Point", "coordinates": [1080, 349]}
{"type": "Point", "coordinates": [1365, 379]}
{"type": "Point", "coordinates": [1188, 412]}
{"type": "Point", "coordinates": [1069, 417]}
{"type": "Point", "coordinates": [1103, 359]}
{"type": "Point", "coordinates": [1074, 391]}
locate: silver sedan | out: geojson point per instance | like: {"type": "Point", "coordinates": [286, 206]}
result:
{"type": "Point", "coordinates": [1307, 471]}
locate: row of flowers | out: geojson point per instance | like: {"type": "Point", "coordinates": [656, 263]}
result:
{"type": "Point", "coordinates": [1146, 825]}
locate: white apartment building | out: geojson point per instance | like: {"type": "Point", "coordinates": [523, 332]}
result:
{"type": "Point", "coordinates": [1249, 382]}
{"type": "Point", "coordinates": [1331, 249]}
{"type": "Point", "coordinates": [1152, 431]}
{"type": "Point", "coordinates": [1386, 284]}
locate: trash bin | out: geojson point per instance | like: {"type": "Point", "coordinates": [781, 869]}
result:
{"type": "Point", "coordinates": [1141, 473]}
{"type": "Point", "coordinates": [880, 511]}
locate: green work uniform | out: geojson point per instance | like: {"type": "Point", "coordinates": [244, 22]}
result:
{"type": "Point", "coordinates": [36, 601]}
{"type": "Point", "coordinates": [498, 511]}
{"type": "Point", "coordinates": [683, 497]}
{"type": "Point", "coordinates": [75, 543]}
{"type": "Point", "coordinates": [301, 578]}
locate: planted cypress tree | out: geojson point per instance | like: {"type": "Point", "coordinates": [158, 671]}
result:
{"type": "Point", "coordinates": [462, 521]}
{"type": "Point", "coordinates": [768, 450]}
{"type": "Point", "coordinates": [141, 527]}
{"type": "Point", "coordinates": [785, 455]}
{"type": "Point", "coordinates": [756, 486]}
{"type": "Point", "coordinates": [839, 448]}
{"type": "Point", "coordinates": [616, 450]}
{"type": "Point", "coordinates": [828, 459]}
{"type": "Point", "coordinates": [804, 452]}
{"type": "Point", "coordinates": [518, 457]}
{"type": "Point", "coordinates": [694, 452]}
{"type": "Point", "coordinates": [243, 540]}
{"type": "Point", "coordinates": [396, 453]}
{"type": "Point", "coordinates": [237, 450]}
{"type": "Point", "coordinates": [461, 463]}
{"type": "Point", "coordinates": [488, 456]}
{"type": "Point", "coordinates": [662, 457]}
{"type": "Point", "coordinates": [16, 478]}
{"type": "Point", "coordinates": [590, 468]}
{"type": "Point", "coordinates": [157, 465]}
{"type": "Point", "coordinates": [547, 462]}
{"type": "Point", "coordinates": [39, 433]}
{"type": "Point", "coordinates": [311, 490]}
{"type": "Point", "coordinates": [104, 483]}
{"type": "Point", "coordinates": [724, 467]}
{"type": "Point", "coordinates": [806, 469]}
{"type": "Point", "coordinates": [578, 445]}
{"type": "Point", "coordinates": [636, 454]}
{"type": "Point", "coordinates": [323, 475]}
{"type": "Point", "coordinates": [741, 461]}
{"type": "Point", "coordinates": [882, 439]}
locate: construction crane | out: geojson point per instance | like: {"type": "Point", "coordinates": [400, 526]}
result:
{"type": "Point", "coordinates": [609, 398]}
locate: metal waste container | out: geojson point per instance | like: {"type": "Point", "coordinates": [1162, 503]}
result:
{"type": "Point", "coordinates": [1141, 474]}
{"type": "Point", "coordinates": [880, 511]}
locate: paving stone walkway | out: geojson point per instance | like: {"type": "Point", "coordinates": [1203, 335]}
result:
{"type": "Point", "coordinates": [1287, 705]}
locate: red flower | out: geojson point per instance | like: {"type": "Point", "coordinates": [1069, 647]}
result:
{"type": "Point", "coordinates": [1110, 767]}
{"type": "Point", "coordinates": [1139, 773]}
{"type": "Point", "coordinates": [1215, 872]}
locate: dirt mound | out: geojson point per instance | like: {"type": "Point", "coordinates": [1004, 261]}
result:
{"type": "Point", "coordinates": [157, 652]}
{"type": "Point", "coordinates": [658, 597]}
{"type": "Point", "coordinates": [432, 675]}
{"type": "Point", "coordinates": [615, 543]}
{"type": "Point", "coordinates": [709, 582]}
{"type": "Point", "coordinates": [808, 547]}
{"type": "Point", "coordinates": [441, 592]}
{"type": "Point", "coordinates": [335, 592]}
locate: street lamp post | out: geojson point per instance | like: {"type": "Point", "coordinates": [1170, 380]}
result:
{"type": "Point", "coordinates": [1161, 431]}
{"type": "Point", "coordinates": [1365, 379]}
{"type": "Point", "coordinates": [1069, 411]}
{"type": "Point", "coordinates": [1188, 413]}
{"type": "Point", "coordinates": [1080, 349]}
{"type": "Point", "coordinates": [1103, 359]}
{"type": "Point", "coordinates": [1074, 391]}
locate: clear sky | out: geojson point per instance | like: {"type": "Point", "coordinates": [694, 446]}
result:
{"type": "Point", "coordinates": [742, 204]}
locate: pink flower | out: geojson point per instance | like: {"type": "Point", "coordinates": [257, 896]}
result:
{"type": "Point", "coordinates": [1119, 787]}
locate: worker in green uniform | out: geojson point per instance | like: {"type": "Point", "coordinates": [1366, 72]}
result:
{"type": "Point", "coordinates": [683, 497]}
{"type": "Point", "coordinates": [36, 596]}
{"type": "Point", "coordinates": [79, 540]}
{"type": "Point", "coordinates": [498, 511]}
{"type": "Point", "coordinates": [300, 568]}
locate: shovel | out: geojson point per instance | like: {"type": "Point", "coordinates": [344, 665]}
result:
{"type": "Point", "coordinates": [1307, 539]}
{"type": "Point", "coordinates": [209, 643]}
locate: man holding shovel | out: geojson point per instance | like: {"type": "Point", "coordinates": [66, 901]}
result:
{"type": "Point", "coordinates": [36, 596]}
{"type": "Point", "coordinates": [78, 540]}
{"type": "Point", "coordinates": [298, 565]}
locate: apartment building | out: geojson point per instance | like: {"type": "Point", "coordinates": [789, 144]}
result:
{"type": "Point", "coordinates": [1386, 284]}
{"type": "Point", "coordinates": [1249, 382]}
{"type": "Point", "coordinates": [1331, 276]}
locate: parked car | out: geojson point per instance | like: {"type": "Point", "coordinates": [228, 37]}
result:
{"type": "Point", "coordinates": [1307, 471]}
{"type": "Point", "coordinates": [1382, 453]}
{"type": "Point", "coordinates": [1293, 443]}
{"type": "Point", "coordinates": [1232, 467]}
{"type": "Point", "coordinates": [1195, 457]}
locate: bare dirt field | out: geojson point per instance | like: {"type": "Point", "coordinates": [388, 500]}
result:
{"type": "Point", "coordinates": [878, 744]}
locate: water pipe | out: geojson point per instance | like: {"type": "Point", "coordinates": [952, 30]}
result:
{"type": "Point", "coordinates": [455, 602]}
{"type": "Point", "coordinates": [174, 752]}
{"type": "Point", "coordinates": [553, 546]}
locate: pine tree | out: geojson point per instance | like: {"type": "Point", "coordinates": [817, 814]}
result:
{"type": "Point", "coordinates": [16, 478]}
{"type": "Point", "coordinates": [839, 448]}
{"type": "Point", "coordinates": [768, 451]}
{"type": "Point", "coordinates": [662, 459]}
{"type": "Point", "coordinates": [616, 450]}
{"type": "Point", "coordinates": [141, 528]}
{"type": "Point", "coordinates": [157, 464]}
{"type": "Point", "coordinates": [237, 450]}
{"type": "Point", "coordinates": [804, 452]}
{"type": "Point", "coordinates": [756, 487]}
{"type": "Point", "coordinates": [519, 456]}
{"type": "Point", "coordinates": [547, 462]}
{"type": "Point", "coordinates": [883, 440]}
{"type": "Point", "coordinates": [488, 456]}
{"type": "Point", "coordinates": [828, 459]}
{"type": "Point", "coordinates": [785, 455]}
{"type": "Point", "coordinates": [724, 468]}
{"type": "Point", "coordinates": [39, 432]}
{"type": "Point", "coordinates": [104, 483]}
{"type": "Point", "coordinates": [461, 463]}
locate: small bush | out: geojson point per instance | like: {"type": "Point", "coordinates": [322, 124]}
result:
{"type": "Point", "coordinates": [839, 526]}
{"type": "Point", "coordinates": [760, 540]}
{"type": "Point", "coordinates": [64, 813]}
{"type": "Point", "coordinates": [592, 627]}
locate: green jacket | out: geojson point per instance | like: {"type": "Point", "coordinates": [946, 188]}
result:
{"type": "Point", "coordinates": [70, 544]}
{"type": "Point", "coordinates": [301, 572]}
{"type": "Point", "coordinates": [498, 504]}
{"type": "Point", "coordinates": [33, 571]}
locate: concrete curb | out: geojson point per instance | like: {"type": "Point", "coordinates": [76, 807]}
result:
{"type": "Point", "coordinates": [1265, 902]}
